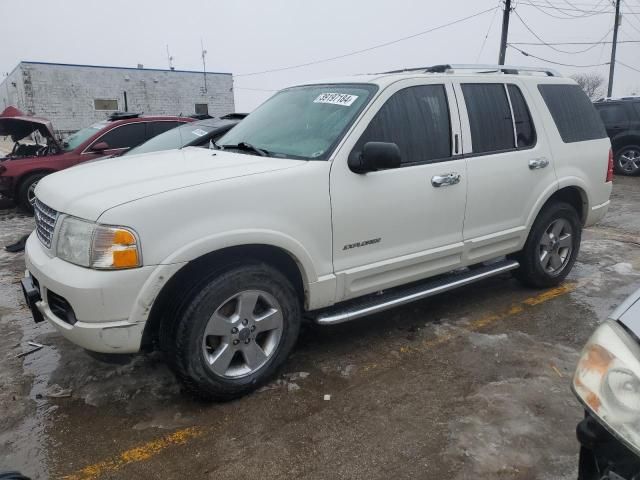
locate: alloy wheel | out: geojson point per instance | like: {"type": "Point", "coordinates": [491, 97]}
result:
{"type": "Point", "coordinates": [242, 334]}
{"type": "Point", "coordinates": [629, 161]}
{"type": "Point", "coordinates": [556, 246]}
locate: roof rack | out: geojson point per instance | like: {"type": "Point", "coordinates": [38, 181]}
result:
{"type": "Point", "coordinates": [618, 99]}
{"type": "Point", "coordinates": [480, 68]}
{"type": "Point", "coordinates": [123, 115]}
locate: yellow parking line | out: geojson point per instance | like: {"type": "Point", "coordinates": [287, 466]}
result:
{"type": "Point", "coordinates": [136, 454]}
{"type": "Point", "coordinates": [155, 447]}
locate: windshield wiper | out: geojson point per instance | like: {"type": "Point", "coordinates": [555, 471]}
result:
{"type": "Point", "coordinates": [247, 147]}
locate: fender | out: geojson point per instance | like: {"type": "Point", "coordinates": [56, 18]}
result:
{"type": "Point", "coordinates": [235, 238]}
{"type": "Point", "coordinates": [559, 185]}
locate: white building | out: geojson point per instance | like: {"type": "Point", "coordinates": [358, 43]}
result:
{"type": "Point", "coordinates": [74, 96]}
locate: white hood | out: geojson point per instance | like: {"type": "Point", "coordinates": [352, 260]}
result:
{"type": "Point", "coordinates": [89, 189]}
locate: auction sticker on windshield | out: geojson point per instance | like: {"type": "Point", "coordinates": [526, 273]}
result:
{"type": "Point", "coordinates": [343, 99]}
{"type": "Point", "coordinates": [199, 132]}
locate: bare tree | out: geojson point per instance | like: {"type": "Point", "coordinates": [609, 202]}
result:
{"type": "Point", "coordinates": [592, 84]}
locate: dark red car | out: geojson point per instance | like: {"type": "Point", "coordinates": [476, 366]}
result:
{"type": "Point", "coordinates": [23, 168]}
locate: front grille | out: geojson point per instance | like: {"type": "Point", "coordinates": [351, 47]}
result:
{"type": "Point", "coordinates": [46, 218]}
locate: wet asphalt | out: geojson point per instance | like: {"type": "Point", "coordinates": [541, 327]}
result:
{"type": "Point", "coordinates": [474, 383]}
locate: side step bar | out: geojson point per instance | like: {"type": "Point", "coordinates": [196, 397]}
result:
{"type": "Point", "coordinates": [375, 303]}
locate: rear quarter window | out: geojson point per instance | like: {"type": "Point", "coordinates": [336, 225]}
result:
{"type": "Point", "coordinates": [573, 113]}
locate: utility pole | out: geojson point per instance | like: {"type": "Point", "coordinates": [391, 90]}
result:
{"type": "Point", "coordinates": [505, 31]}
{"type": "Point", "coordinates": [204, 65]}
{"type": "Point", "coordinates": [612, 65]}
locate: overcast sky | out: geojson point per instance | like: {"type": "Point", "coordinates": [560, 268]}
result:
{"type": "Point", "coordinates": [243, 36]}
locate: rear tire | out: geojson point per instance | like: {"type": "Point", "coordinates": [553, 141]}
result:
{"type": "Point", "coordinates": [551, 248]}
{"type": "Point", "coordinates": [235, 333]}
{"type": "Point", "coordinates": [26, 191]}
{"type": "Point", "coordinates": [627, 161]}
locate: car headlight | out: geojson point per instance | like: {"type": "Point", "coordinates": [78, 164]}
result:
{"type": "Point", "coordinates": [607, 381]}
{"type": "Point", "coordinates": [92, 245]}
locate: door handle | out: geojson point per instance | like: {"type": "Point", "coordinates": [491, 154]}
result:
{"type": "Point", "coordinates": [445, 180]}
{"type": "Point", "coordinates": [538, 163]}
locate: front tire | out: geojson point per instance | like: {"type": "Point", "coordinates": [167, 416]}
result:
{"type": "Point", "coordinates": [627, 161]}
{"type": "Point", "coordinates": [551, 248]}
{"type": "Point", "coordinates": [236, 332]}
{"type": "Point", "coordinates": [26, 192]}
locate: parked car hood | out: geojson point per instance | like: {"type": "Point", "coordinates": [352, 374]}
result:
{"type": "Point", "coordinates": [89, 189]}
{"type": "Point", "coordinates": [17, 125]}
{"type": "Point", "coordinates": [628, 313]}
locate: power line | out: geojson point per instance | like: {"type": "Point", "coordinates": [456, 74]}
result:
{"type": "Point", "coordinates": [356, 52]}
{"type": "Point", "coordinates": [553, 47]}
{"type": "Point", "coordinates": [628, 66]}
{"type": "Point", "coordinates": [573, 43]}
{"type": "Point", "coordinates": [527, 54]}
{"type": "Point", "coordinates": [484, 42]}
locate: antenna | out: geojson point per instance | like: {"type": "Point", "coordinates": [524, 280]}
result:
{"type": "Point", "coordinates": [169, 59]}
{"type": "Point", "coordinates": [204, 65]}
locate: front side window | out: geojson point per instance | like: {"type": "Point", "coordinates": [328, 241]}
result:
{"type": "Point", "coordinates": [489, 117]}
{"type": "Point", "coordinates": [572, 112]}
{"type": "Point", "coordinates": [417, 120]}
{"type": "Point", "coordinates": [525, 131]}
{"type": "Point", "coordinates": [125, 136]}
{"type": "Point", "coordinates": [301, 122]}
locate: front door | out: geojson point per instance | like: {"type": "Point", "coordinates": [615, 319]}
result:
{"type": "Point", "coordinates": [397, 225]}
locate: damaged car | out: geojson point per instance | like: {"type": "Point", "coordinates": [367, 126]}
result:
{"type": "Point", "coordinates": [29, 162]}
{"type": "Point", "coordinates": [607, 383]}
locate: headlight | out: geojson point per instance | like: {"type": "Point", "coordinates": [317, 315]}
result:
{"type": "Point", "coordinates": [98, 246]}
{"type": "Point", "coordinates": [607, 381]}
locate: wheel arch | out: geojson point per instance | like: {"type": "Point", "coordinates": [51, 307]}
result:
{"type": "Point", "coordinates": [182, 283]}
{"type": "Point", "coordinates": [571, 193]}
{"type": "Point", "coordinates": [23, 176]}
{"type": "Point", "coordinates": [622, 141]}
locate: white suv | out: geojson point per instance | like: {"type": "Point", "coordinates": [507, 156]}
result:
{"type": "Point", "coordinates": [331, 201]}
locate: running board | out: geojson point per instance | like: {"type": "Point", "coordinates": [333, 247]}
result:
{"type": "Point", "coordinates": [375, 303]}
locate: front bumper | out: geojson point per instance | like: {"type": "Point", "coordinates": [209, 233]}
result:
{"type": "Point", "coordinates": [103, 303]}
{"type": "Point", "coordinates": [602, 455]}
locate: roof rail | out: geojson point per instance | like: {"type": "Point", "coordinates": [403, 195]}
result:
{"type": "Point", "coordinates": [481, 68]}
{"type": "Point", "coordinates": [123, 116]}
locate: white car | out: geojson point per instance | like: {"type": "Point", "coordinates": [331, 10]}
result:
{"type": "Point", "coordinates": [331, 201]}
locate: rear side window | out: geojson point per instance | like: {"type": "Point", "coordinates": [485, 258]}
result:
{"type": "Point", "coordinates": [489, 117]}
{"type": "Point", "coordinates": [417, 120]}
{"type": "Point", "coordinates": [573, 113]}
{"type": "Point", "coordinates": [525, 131]}
{"type": "Point", "coordinates": [125, 136]}
{"type": "Point", "coordinates": [612, 114]}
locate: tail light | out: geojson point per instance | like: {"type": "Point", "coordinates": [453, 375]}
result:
{"type": "Point", "coordinates": [610, 167]}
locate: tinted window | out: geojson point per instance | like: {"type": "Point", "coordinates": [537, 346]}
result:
{"type": "Point", "coordinates": [417, 120]}
{"type": "Point", "coordinates": [125, 136]}
{"type": "Point", "coordinates": [489, 117]}
{"type": "Point", "coordinates": [573, 113]}
{"type": "Point", "coordinates": [612, 114]}
{"type": "Point", "coordinates": [637, 108]}
{"type": "Point", "coordinates": [525, 131]}
{"type": "Point", "coordinates": [160, 127]}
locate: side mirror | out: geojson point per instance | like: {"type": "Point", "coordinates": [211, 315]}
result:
{"type": "Point", "coordinates": [100, 147]}
{"type": "Point", "coordinates": [375, 156]}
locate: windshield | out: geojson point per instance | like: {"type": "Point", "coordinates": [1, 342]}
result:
{"type": "Point", "coordinates": [301, 122]}
{"type": "Point", "coordinates": [73, 141]}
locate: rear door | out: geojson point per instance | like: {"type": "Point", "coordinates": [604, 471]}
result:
{"type": "Point", "coordinates": [394, 226]}
{"type": "Point", "coordinates": [509, 166]}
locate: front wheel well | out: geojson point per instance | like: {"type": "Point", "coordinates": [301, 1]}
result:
{"type": "Point", "coordinates": [20, 180]}
{"type": "Point", "coordinates": [186, 282]}
{"type": "Point", "coordinates": [574, 196]}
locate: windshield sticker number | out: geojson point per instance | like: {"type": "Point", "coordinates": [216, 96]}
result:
{"type": "Point", "coordinates": [199, 132]}
{"type": "Point", "coordinates": [343, 99]}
